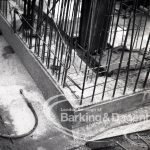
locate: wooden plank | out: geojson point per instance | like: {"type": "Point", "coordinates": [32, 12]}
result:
{"type": "Point", "coordinates": [119, 106]}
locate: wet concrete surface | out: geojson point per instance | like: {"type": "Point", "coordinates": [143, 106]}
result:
{"type": "Point", "coordinates": [17, 118]}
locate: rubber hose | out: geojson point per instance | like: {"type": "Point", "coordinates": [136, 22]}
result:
{"type": "Point", "coordinates": [32, 130]}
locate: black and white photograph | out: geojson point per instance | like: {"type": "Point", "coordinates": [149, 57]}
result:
{"type": "Point", "coordinates": [74, 74]}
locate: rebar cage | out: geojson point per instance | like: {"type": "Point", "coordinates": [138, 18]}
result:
{"type": "Point", "coordinates": [97, 49]}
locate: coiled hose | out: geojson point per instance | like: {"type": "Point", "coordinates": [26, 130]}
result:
{"type": "Point", "coordinates": [32, 130]}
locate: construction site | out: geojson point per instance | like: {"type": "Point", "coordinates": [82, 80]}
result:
{"type": "Point", "coordinates": [74, 74]}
